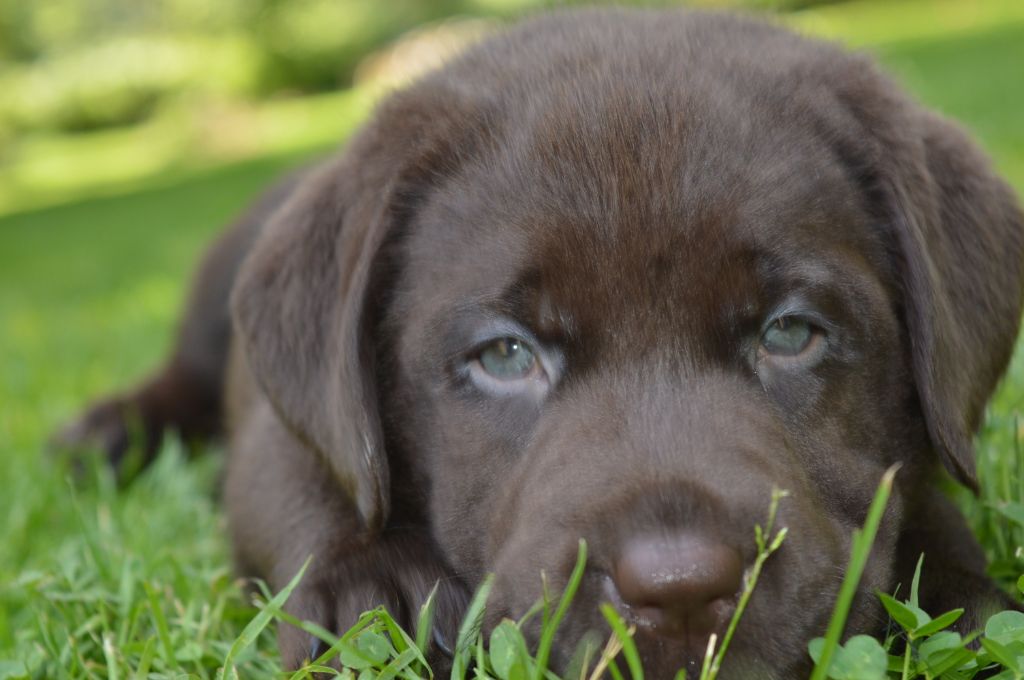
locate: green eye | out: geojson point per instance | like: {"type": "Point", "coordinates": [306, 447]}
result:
{"type": "Point", "coordinates": [508, 359]}
{"type": "Point", "coordinates": [787, 336]}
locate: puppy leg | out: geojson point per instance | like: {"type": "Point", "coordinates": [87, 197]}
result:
{"type": "Point", "coordinates": [284, 505]}
{"type": "Point", "coordinates": [185, 395]}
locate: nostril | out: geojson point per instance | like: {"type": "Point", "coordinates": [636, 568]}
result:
{"type": "Point", "coordinates": [680, 585]}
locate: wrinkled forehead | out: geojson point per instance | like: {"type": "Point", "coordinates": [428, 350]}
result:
{"type": "Point", "coordinates": [615, 208]}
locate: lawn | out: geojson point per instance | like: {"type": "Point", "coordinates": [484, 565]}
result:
{"type": "Point", "coordinates": [96, 582]}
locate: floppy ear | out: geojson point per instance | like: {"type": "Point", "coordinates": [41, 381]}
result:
{"type": "Point", "coordinates": [958, 240]}
{"type": "Point", "coordinates": [961, 240]}
{"type": "Point", "coordinates": [304, 300]}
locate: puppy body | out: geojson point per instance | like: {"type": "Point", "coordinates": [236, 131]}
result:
{"type": "Point", "coordinates": [637, 197]}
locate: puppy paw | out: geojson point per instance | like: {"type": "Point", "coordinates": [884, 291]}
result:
{"type": "Point", "coordinates": [118, 429]}
{"type": "Point", "coordinates": [398, 575]}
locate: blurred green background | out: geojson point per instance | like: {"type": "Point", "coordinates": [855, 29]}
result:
{"type": "Point", "coordinates": [97, 95]}
{"type": "Point", "coordinates": [131, 130]}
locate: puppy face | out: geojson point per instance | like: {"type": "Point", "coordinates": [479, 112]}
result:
{"type": "Point", "coordinates": [621, 295]}
{"type": "Point", "coordinates": [629, 349]}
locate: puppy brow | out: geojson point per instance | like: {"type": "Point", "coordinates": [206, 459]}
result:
{"type": "Point", "coordinates": [554, 320]}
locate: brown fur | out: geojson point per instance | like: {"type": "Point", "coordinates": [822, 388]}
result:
{"type": "Point", "coordinates": [638, 191]}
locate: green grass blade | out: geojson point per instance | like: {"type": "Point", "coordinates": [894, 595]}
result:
{"type": "Point", "coordinates": [625, 637]}
{"type": "Point", "coordinates": [398, 664]}
{"type": "Point", "coordinates": [767, 543]}
{"type": "Point", "coordinates": [425, 621]}
{"type": "Point", "coordinates": [148, 651]}
{"type": "Point", "coordinates": [110, 657]}
{"type": "Point", "coordinates": [470, 628]}
{"type": "Point", "coordinates": [162, 631]}
{"type": "Point", "coordinates": [862, 542]}
{"type": "Point", "coordinates": [399, 638]}
{"type": "Point", "coordinates": [915, 583]}
{"type": "Point", "coordinates": [547, 637]}
{"type": "Point", "coordinates": [258, 623]}
{"type": "Point", "coordinates": [338, 646]}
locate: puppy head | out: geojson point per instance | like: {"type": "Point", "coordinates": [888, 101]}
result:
{"type": "Point", "coordinates": [565, 291]}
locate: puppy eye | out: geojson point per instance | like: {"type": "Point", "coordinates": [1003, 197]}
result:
{"type": "Point", "coordinates": [508, 359]}
{"type": "Point", "coordinates": [787, 336]}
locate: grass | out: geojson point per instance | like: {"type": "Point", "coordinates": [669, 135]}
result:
{"type": "Point", "coordinates": [88, 294]}
{"type": "Point", "coordinates": [96, 582]}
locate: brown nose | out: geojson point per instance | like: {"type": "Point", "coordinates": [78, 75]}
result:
{"type": "Point", "coordinates": [679, 586]}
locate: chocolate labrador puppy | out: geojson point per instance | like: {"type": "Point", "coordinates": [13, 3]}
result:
{"type": "Point", "coordinates": [612, 275]}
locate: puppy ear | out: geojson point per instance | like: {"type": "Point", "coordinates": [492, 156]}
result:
{"type": "Point", "coordinates": [958, 241]}
{"type": "Point", "coordinates": [304, 300]}
{"type": "Point", "coordinates": [961, 236]}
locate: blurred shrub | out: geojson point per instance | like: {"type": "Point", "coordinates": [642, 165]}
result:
{"type": "Point", "coordinates": [73, 65]}
{"type": "Point", "coordinates": [121, 80]}
{"type": "Point", "coordinates": [315, 45]}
